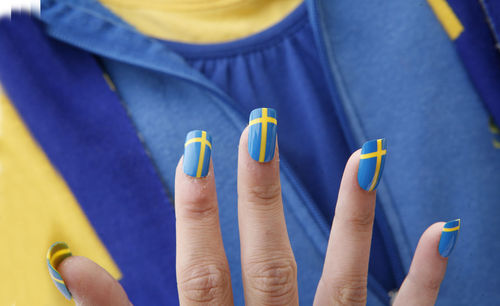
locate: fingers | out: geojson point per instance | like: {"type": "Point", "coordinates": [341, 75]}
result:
{"type": "Point", "coordinates": [428, 267]}
{"type": "Point", "coordinates": [203, 275]}
{"type": "Point", "coordinates": [268, 265]}
{"type": "Point", "coordinates": [87, 282]}
{"type": "Point", "coordinates": [345, 271]}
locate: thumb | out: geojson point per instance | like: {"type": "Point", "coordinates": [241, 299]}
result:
{"type": "Point", "coordinates": [80, 277]}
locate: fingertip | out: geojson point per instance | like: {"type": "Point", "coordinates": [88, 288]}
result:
{"type": "Point", "coordinates": [244, 138]}
{"type": "Point", "coordinates": [427, 270]}
{"type": "Point", "coordinates": [427, 262]}
{"type": "Point", "coordinates": [351, 195]}
{"type": "Point", "coordinates": [351, 171]}
{"type": "Point", "coordinates": [90, 284]}
{"type": "Point", "coordinates": [429, 242]}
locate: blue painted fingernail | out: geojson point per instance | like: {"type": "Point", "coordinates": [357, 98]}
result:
{"type": "Point", "coordinates": [449, 237]}
{"type": "Point", "coordinates": [55, 255]}
{"type": "Point", "coordinates": [262, 134]}
{"type": "Point", "coordinates": [197, 150]}
{"type": "Point", "coordinates": [371, 164]}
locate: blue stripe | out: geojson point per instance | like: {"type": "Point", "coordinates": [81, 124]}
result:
{"type": "Point", "coordinates": [87, 135]}
{"type": "Point", "coordinates": [54, 273]}
{"type": "Point", "coordinates": [56, 276]}
{"type": "Point", "coordinates": [64, 290]}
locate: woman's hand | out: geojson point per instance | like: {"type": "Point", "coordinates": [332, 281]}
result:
{"type": "Point", "coordinates": [268, 266]}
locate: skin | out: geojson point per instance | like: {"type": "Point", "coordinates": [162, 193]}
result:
{"type": "Point", "coordinates": [268, 265]}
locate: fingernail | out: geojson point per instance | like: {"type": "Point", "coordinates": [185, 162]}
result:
{"type": "Point", "coordinates": [371, 164]}
{"type": "Point", "coordinates": [197, 150]}
{"type": "Point", "coordinates": [449, 237]}
{"type": "Point", "coordinates": [55, 255]}
{"type": "Point", "coordinates": [262, 134]}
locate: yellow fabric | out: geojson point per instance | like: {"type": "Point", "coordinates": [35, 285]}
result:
{"type": "Point", "coordinates": [447, 17]}
{"type": "Point", "coordinates": [201, 21]}
{"type": "Point", "coordinates": [36, 210]}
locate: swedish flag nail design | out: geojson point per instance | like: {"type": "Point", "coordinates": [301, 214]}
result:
{"type": "Point", "coordinates": [262, 134]}
{"type": "Point", "coordinates": [55, 255]}
{"type": "Point", "coordinates": [449, 237]}
{"type": "Point", "coordinates": [197, 150]}
{"type": "Point", "coordinates": [371, 164]}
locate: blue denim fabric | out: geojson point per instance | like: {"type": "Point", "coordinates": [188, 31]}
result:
{"type": "Point", "coordinates": [398, 75]}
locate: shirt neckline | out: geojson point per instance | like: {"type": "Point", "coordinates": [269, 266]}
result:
{"type": "Point", "coordinates": [291, 24]}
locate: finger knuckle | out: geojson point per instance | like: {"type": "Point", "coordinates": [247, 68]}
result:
{"type": "Point", "coordinates": [362, 220]}
{"type": "Point", "coordinates": [430, 285]}
{"type": "Point", "coordinates": [199, 206]}
{"type": "Point", "coordinates": [264, 195]}
{"type": "Point", "coordinates": [349, 290]}
{"type": "Point", "coordinates": [274, 281]}
{"type": "Point", "coordinates": [207, 283]}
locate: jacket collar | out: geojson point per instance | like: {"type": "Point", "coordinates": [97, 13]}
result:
{"type": "Point", "coordinates": [88, 25]}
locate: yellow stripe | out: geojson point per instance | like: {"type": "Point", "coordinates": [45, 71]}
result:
{"type": "Point", "coordinates": [373, 154]}
{"type": "Point", "coordinates": [198, 139]}
{"type": "Point", "coordinates": [202, 153]}
{"type": "Point", "coordinates": [55, 277]}
{"type": "Point", "coordinates": [58, 280]}
{"type": "Point", "coordinates": [447, 17]}
{"type": "Point", "coordinates": [261, 120]}
{"type": "Point", "coordinates": [263, 136]}
{"type": "Point", "coordinates": [57, 255]}
{"type": "Point", "coordinates": [452, 229]}
{"type": "Point", "coordinates": [377, 167]}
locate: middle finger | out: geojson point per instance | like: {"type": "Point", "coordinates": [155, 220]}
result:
{"type": "Point", "coordinates": [268, 265]}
